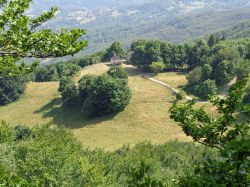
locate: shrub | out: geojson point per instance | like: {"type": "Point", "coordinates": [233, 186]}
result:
{"type": "Point", "coordinates": [243, 69]}
{"type": "Point", "coordinates": [46, 74]}
{"type": "Point", "coordinates": [195, 76]}
{"type": "Point", "coordinates": [6, 133]}
{"type": "Point", "coordinates": [22, 132]}
{"type": "Point", "coordinates": [206, 89]}
{"type": "Point", "coordinates": [106, 96]}
{"type": "Point", "coordinates": [118, 72]}
{"type": "Point", "coordinates": [11, 89]}
{"type": "Point", "coordinates": [157, 67]}
{"type": "Point", "coordinates": [224, 72]}
{"type": "Point", "coordinates": [68, 91]}
{"type": "Point", "coordinates": [67, 69]}
{"type": "Point", "coordinates": [55, 72]}
{"type": "Point", "coordinates": [181, 95]}
{"type": "Point", "coordinates": [84, 86]}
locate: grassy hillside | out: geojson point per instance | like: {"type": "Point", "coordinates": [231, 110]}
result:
{"type": "Point", "coordinates": [146, 117]}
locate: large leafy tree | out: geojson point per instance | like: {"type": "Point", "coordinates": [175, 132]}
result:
{"type": "Point", "coordinates": [222, 132]}
{"type": "Point", "coordinates": [21, 36]}
{"type": "Point", "coordinates": [213, 132]}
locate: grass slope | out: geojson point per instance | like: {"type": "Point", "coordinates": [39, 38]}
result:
{"type": "Point", "coordinates": [145, 118]}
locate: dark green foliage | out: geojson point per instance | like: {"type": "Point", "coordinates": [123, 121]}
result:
{"type": "Point", "coordinates": [195, 76]}
{"type": "Point", "coordinates": [140, 177]}
{"type": "Point", "coordinates": [224, 72]}
{"type": "Point", "coordinates": [138, 57]}
{"type": "Point", "coordinates": [231, 170]}
{"type": "Point", "coordinates": [212, 40]}
{"type": "Point", "coordinates": [91, 59]}
{"type": "Point", "coordinates": [115, 48]}
{"type": "Point", "coordinates": [197, 55]}
{"type": "Point", "coordinates": [69, 91]}
{"type": "Point", "coordinates": [21, 37]}
{"type": "Point", "coordinates": [243, 69]}
{"type": "Point", "coordinates": [6, 133]}
{"type": "Point", "coordinates": [11, 89]}
{"type": "Point", "coordinates": [46, 74]}
{"type": "Point", "coordinates": [67, 69]}
{"type": "Point", "coordinates": [53, 157]}
{"type": "Point", "coordinates": [22, 132]}
{"type": "Point", "coordinates": [55, 72]}
{"type": "Point", "coordinates": [106, 96]}
{"type": "Point", "coordinates": [181, 95]}
{"type": "Point", "coordinates": [206, 72]}
{"type": "Point", "coordinates": [138, 43]}
{"type": "Point", "coordinates": [117, 72]}
{"type": "Point", "coordinates": [206, 89]}
{"type": "Point", "coordinates": [152, 52]}
{"type": "Point", "coordinates": [97, 95]}
{"type": "Point", "coordinates": [224, 133]}
{"type": "Point", "coordinates": [156, 67]}
{"type": "Point", "coordinates": [85, 85]}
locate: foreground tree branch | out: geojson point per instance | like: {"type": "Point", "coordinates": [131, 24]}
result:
{"type": "Point", "coordinates": [21, 36]}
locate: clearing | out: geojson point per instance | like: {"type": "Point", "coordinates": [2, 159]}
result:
{"type": "Point", "coordinates": [145, 118]}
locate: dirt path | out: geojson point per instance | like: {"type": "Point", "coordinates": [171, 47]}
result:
{"type": "Point", "coordinates": [167, 86]}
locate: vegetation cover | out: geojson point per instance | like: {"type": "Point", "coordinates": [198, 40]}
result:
{"type": "Point", "coordinates": [98, 95]}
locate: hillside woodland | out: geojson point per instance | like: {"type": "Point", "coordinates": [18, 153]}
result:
{"type": "Point", "coordinates": [216, 69]}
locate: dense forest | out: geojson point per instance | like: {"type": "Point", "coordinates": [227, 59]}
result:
{"type": "Point", "coordinates": [51, 155]}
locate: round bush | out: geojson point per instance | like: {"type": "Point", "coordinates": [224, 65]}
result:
{"type": "Point", "coordinates": [206, 89]}
{"type": "Point", "coordinates": [117, 72]}
{"type": "Point", "coordinates": [68, 91]}
{"type": "Point", "coordinates": [106, 96]}
{"type": "Point", "coordinates": [157, 67]}
{"type": "Point", "coordinates": [11, 89]}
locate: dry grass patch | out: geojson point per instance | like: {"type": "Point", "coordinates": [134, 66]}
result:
{"type": "Point", "coordinates": [174, 79]}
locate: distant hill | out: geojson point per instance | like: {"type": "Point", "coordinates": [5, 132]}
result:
{"type": "Point", "coordinates": [127, 20]}
{"type": "Point", "coordinates": [239, 30]}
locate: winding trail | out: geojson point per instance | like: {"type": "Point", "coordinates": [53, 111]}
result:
{"type": "Point", "coordinates": [167, 86]}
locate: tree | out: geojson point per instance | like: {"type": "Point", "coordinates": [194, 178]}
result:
{"type": "Point", "coordinates": [225, 133]}
{"type": "Point", "coordinates": [11, 89]}
{"type": "Point", "coordinates": [138, 57]}
{"type": "Point", "coordinates": [206, 89]}
{"type": "Point", "coordinates": [68, 90]}
{"type": "Point", "coordinates": [243, 69]}
{"type": "Point", "coordinates": [84, 86]}
{"type": "Point", "coordinates": [115, 48]}
{"type": "Point", "coordinates": [118, 72]}
{"type": "Point", "coordinates": [213, 132]}
{"type": "Point", "coordinates": [206, 72]}
{"type": "Point", "coordinates": [152, 52]}
{"type": "Point", "coordinates": [195, 76]}
{"type": "Point", "coordinates": [166, 51]}
{"type": "Point", "coordinates": [224, 72]}
{"type": "Point", "coordinates": [198, 54]}
{"type": "Point", "coordinates": [106, 96]}
{"type": "Point", "coordinates": [212, 40]}
{"type": "Point", "coordinates": [157, 67]}
{"type": "Point", "coordinates": [138, 43]}
{"type": "Point", "coordinates": [20, 36]}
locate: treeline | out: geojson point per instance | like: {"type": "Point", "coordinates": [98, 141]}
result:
{"type": "Point", "coordinates": [55, 72]}
{"type": "Point", "coordinates": [51, 156]}
{"type": "Point", "coordinates": [212, 63]}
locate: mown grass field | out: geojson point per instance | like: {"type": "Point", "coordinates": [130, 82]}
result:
{"type": "Point", "coordinates": [145, 118]}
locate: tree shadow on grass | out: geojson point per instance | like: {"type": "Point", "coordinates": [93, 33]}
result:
{"type": "Point", "coordinates": [69, 117]}
{"type": "Point", "coordinates": [132, 71]}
